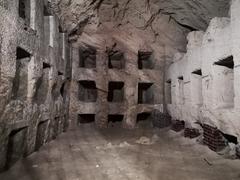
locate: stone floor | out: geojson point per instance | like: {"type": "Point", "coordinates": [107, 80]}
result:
{"type": "Point", "coordinates": [116, 154]}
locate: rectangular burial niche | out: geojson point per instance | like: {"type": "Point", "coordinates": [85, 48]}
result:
{"type": "Point", "coordinates": [115, 91]}
{"type": "Point", "coordinates": [145, 93]}
{"type": "Point", "coordinates": [168, 91]}
{"type": "Point", "coordinates": [41, 134]}
{"type": "Point", "coordinates": [42, 85]}
{"type": "Point", "coordinates": [114, 118]}
{"type": "Point", "coordinates": [181, 89]}
{"type": "Point", "coordinates": [20, 82]}
{"type": "Point", "coordinates": [24, 9]}
{"type": "Point", "coordinates": [197, 72]}
{"type": "Point", "coordinates": [46, 11]}
{"type": "Point", "coordinates": [230, 138]}
{"type": "Point", "coordinates": [145, 116]}
{"type": "Point", "coordinates": [145, 60]}
{"type": "Point", "coordinates": [55, 127]}
{"type": "Point", "coordinates": [227, 62]}
{"type": "Point", "coordinates": [86, 118]}
{"type": "Point", "coordinates": [87, 57]}
{"type": "Point", "coordinates": [196, 87]}
{"type": "Point", "coordinates": [87, 91]}
{"type": "Point", "coordinates": [116, 60]}
{"type": "Point", "coordinates": [16, 146]}
{"type": "Point", "coordinates": [223, 81]}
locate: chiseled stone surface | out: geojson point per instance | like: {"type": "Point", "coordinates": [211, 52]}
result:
{"type": "Point", "coordinates": [212, 97]}
{"type": "Point", "coordinates": [130, 75]}
{"type": "Point", "coordinates": [30, 81]}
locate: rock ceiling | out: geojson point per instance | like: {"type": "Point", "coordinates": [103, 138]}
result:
{"type": "Point", "coordinates": [159, 22]}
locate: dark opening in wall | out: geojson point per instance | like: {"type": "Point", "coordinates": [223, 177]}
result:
{"type": "Point", "coordinates": [62, 90]}
{"type": "Point", "coordinates": [60, 73]}
{"type": "Point", "coordinates": [87, 57]}
{"type": "Point", "coordinates": [86, 118]}
{"type": "Point", "coordinates": [55, 127]}
{"type": "Point", "coordinates": [20, 81]}
{"type": "Point", "coordinates": [41, 134]}
{"type": "Point", "coordinates": [16, 146]}
{"type": "Point", "coordinates": [196, 81]}
{"type": "Point", "coordinates": [145, 60]}
{"type": "Point", "coordinates": [21, 53]}
{"type": "Point", "coordinates": [87, 91]}
{"type": "Point", "coordinates": [168, 91]}
{"type": "Point", "coordinates": [116, 60]}
{"type": "Point", "coordinates": [60, 29]}
{"type": "Point", "coordinates": [230, 138]}
{"type": "Point", "coordinates": [143, 116]}
{"type": "Point", "coordinates": [180, 78]}
{"type": "Point", "coordinates": [181, 90]}
{"type": "Point", "coordinates": [197, 72]}
{"type": "Point", "coordinates": [65, 123]}
{"type": "Point", "coordinates": [115, 92]}
{"type": "Point", "coordinates": [213, 138]}
{"type": "Point", "coordinates": [46, 65]}
{"type": "Point", "coordinates": [223, 81]}
{"type": "Point", "coordinates": [115, 118]}
{"type": "Point", "coordinates": [227, 62]}
{"type": "Point", "coordinates": [46, 11]}
{"type": "Point", "coordinates": [42, 85]}
{"type": "Point", "coordinates": [145, 93]}
{"type": "Point", "coordinates": [24, 10]}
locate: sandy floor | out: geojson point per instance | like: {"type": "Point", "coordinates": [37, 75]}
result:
{"type": "Point", "coordinates": [117, 154]}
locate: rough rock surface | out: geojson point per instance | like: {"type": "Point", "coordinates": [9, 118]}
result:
{"type": "Point", "coordinates": [160, 23]}
{"type": "Point", "coordinates": [192, 13]}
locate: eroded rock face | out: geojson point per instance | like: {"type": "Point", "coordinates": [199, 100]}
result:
{"type": "Point", "coordinates": [195, 14]}
{"type": "Point", "coordinates": [133, 26]}
{"type": "Point", "coordinates": [163, 25]}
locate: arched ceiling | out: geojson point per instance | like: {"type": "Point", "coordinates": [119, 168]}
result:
{"type": "Point", "coordinates": [155, 22]}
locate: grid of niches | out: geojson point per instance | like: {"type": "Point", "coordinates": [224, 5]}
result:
{"type": "Point", "coordinates": [116, 87]}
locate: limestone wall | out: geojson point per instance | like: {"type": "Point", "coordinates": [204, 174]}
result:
{"type": "Point", "coordinates": [124, 87]}
{"type": "Point", "coordinates": [34, 73]}
{"type": "Point", "coordinates": [210, 72]}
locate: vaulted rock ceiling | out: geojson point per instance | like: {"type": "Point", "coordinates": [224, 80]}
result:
{"type": "Point", "coordinates": [162, 24]}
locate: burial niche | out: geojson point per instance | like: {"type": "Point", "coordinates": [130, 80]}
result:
{"type": "Point", "coordinates": [145, 93]}
{"type": "Point", "coordinates": [115, 92]}
{"type": "Point", "coordinates": [20, 81]}
{"type": "Point", "coordinates": [87, 91]}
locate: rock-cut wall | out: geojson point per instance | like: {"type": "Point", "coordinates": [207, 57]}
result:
{"type": "Point", "coordinates": [34, 78]}
{"type": "Point", "coordinates": [202, 85]}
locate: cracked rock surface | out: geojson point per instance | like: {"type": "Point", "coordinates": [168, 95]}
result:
{"type": "Point", "coordinates": [159, 24]}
